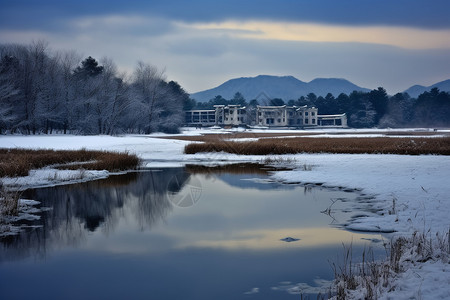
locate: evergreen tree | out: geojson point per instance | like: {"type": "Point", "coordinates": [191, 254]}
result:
{"type": "Point", "coordinates": [277, 102]}
{"type": "Point", "coordinates": [238, 98]}
{"type": "Point", "coordinates": [89, 68]}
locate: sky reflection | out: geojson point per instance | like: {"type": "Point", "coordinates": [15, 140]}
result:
{"type": "Point", "coordinates": [226, 246]}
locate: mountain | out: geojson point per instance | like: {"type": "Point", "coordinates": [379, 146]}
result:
{"type": "Point", "coordinates": [416, 90]}
{"type": "Point", "coordinates": [284, 87]}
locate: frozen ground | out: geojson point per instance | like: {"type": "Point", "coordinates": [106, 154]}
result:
{"type": "Point", "coordinates": [404, 193]}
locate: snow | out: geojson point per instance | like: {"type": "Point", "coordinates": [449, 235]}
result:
{"type": "Point", "coordinates": [320, 286]}
{"type": "Point", "coordinates": [403, 193]}
{"type": "Point", "coordinates": [252, 291]}
{"type": "Point", "coordinates": [428, 280]}
{"type": "Point", "coordinates": [49, 177]}
{"type": "Point", "coordinates": [418, 185]}
{"type": "Point", "coordinates": [27, 212]}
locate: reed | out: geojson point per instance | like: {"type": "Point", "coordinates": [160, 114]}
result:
{"type": "Point", "coordinates": [278, 146]}
{"type": "Point", "coordinates": [9, 202]}
{"type": "Point", "coordinates": [18, 162]}
{"type": "Point", "coordinates": [373, 277]}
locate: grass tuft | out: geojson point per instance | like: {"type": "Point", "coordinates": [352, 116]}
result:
{"type": "Point", "coordinates": [9, 202]}
{"type": "Point", "coordinates": [18, 162]}
{"type": "Point", "coordinates": [375, 277]}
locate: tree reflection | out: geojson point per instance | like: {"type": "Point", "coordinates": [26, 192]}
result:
{"type": "Point", "coordinates": [97, 205]}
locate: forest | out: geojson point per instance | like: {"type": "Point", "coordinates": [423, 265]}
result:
{"type": "Point", "coordinates": [44, 91]}
{"type": "Point", "coordinates": [363, 109]}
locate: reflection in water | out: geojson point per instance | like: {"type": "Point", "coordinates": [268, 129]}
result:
{"type": "Point", "coordinates": [81, 208]}
{"type": "Point", "coordinates": [125, 238]}
{"type": "Point", "coordinates": [241, 168]}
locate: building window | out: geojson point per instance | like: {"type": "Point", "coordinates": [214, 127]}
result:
{"type": "Point", "coordinates": [306, 113]}
{"type": "Point", "coordinates": [279, 120]}
{"type": "Point", "coordinates": [306, 121]}
{"type": "Point", "coordinates": [313, 113]}
{"type": "Point", "coordinates": [313, 121]}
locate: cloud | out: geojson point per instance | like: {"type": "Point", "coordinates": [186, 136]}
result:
{"type": "Point", "coordinates": [366, 65]}
{"type": "Point", "coordinates": [121, 24]}
{"type": "Point", "coordinates": [203, 43]}
{"type": "Point", "coordinates": [202, 47]}
{"type": "Point", "coordinates": [308, 32]}
{"type": "Point", "coordinates": [403, 13]}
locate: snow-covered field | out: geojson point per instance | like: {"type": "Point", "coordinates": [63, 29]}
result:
{"type": "Point", "coordinates": [410, 193]}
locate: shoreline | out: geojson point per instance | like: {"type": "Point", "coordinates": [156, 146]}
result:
{"type": "Point", "coordinates": [410, 192]}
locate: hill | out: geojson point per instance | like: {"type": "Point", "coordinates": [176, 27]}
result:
{"type": "Point", "coordinates": [284, 87]}
{"type": "Point", "coordinates": [416, 90]}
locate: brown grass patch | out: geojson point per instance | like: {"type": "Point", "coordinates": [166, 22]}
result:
{"type": "Point", "coordinates": [18, 162]}
{"type": "Point", "coordinates": [382, 145]}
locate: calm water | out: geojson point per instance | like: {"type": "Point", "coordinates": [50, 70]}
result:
{"type": "Point", "coordinates": [176, 234]}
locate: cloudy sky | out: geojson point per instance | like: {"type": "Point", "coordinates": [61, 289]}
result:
{"type": "Point", "coordinates": [201, 44]}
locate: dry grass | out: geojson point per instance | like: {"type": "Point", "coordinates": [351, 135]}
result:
{"type": "Point", "coordinates": [378, 145]}
{"type": "Point", "coordinates": [9, 202]}
{"type": "Point", "coordinates": [373, 276]}
{"type": "Point", "coordinates": [18, 162]}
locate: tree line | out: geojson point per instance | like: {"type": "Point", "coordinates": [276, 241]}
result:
{"type": "Point", "coordinates": [363, 109]}
{"type": "Point", "coordinates": [42, 91]}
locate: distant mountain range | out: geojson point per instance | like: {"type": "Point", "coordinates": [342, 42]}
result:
{"type": "Point", "coordinates": [288, 87]}
{"type": "Point", "coordinates": [284, 87]}
{"type": "Point", "coordinates": [416, 90]}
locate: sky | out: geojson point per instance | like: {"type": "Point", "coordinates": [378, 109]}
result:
{"type": "Point", "coordinates": [201, 44]}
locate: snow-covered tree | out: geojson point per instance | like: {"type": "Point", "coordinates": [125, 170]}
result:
{"type": "Point", "coordinates": [149, 90]}
{"type": "Point", "coordinates": [43, 91]}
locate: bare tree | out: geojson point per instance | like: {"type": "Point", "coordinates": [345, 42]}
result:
{"type": "Point", "coordinates": [8, 90]}
{"type": "Point", "coordinates": [149, 90]}
{"type": "Point", "coordinates": [68, 62]}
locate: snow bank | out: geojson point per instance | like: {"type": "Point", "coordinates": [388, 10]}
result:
{"type": "Point", "coordinates": [27, 211]}
{"type": "Point", "coordinates": [411, 192]}
{"type": "Point", "coordinates": [50, 177]}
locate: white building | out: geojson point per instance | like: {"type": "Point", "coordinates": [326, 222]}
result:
{"type": "Point", "coordinates": [268, 116]}
{"type": "Point", "coordinates": [332, 120]}
{"type": "Point", "coordinates": [230, 115]}
{"type": "Point", "coordinates": [286, 116]}
{"type": "Point", "coordinates": [200, 117]}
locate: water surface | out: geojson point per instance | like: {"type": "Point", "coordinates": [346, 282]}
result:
{"type": "Point", "coordinates": [177, 233]}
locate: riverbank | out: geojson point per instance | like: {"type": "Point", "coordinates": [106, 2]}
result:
{"type": "Point", "coordinates": [402, 194]}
